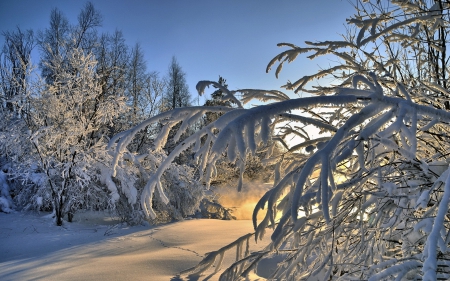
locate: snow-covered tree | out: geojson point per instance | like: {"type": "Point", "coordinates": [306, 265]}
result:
{"type": "Point", "coordinates": [15, 75]}
{"type": "Point", "coordinates": [368, 199]}
{"type": "Point", "coordinates": [55, 127]}
{"type": "Point", "coordinates": [69, 124]}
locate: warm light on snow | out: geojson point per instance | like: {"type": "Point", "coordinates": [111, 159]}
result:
{"type": "Point", "coordinates": [95, 248]}
{"type": "Point", "coordinates": [243, 203]}
{"type": "Point", "coordinates": [364, 195]}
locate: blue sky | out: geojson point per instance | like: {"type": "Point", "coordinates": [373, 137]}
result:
{"type": "Point", "coordinates": [234, 39]}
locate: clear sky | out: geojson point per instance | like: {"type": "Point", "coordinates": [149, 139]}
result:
{"type": "Point", "coordinates": [232, 38]}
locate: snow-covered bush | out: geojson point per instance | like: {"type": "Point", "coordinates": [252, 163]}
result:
{"type": "Point", "coordinates": [183, 193]}
{"type": "Point", "coordinates": [368, 199]}
{"type": "Point", "coordinates": [16, 156]}
{"type": "Point", "coordinates": [6, 202]}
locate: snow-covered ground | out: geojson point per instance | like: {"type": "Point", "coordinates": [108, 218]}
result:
{"type": "Point", "coordinates": [95, 247]}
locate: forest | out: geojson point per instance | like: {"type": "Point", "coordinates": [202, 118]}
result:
{"type": "Point", "coordinates": [367, 199]}
{"type": "Point", "coordinates": [59, 115]}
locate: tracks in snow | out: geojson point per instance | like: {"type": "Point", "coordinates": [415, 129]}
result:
{"type": "Point", "coordinates": [173, 247]}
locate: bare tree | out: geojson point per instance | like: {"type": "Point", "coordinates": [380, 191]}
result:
{"type": "Point", "coordinates": [149, 105]}
{"type": "Point", "coordinates": [60, 37]}
{"type": "Point", "coordinates": [15, 67]}
{"type": "Point", "coordinates": [112, 54]}
{"type": "Point", "coordinates": [177, 92]}
{"type": "Point", "coordinates": [84, 33]}
{"type": "Point", "coordinates": [136, 79]}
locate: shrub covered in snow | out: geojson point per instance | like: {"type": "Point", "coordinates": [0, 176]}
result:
{"type": "Point", "coordinates": [6, 202]}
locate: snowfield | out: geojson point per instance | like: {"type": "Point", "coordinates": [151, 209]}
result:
{"type": "Point", "coordinates": [95, 247]}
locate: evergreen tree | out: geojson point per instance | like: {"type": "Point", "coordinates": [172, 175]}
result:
{"type": "Point", "coordinates": [217, 100]}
